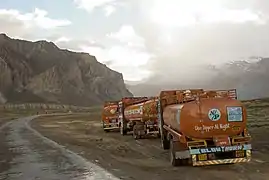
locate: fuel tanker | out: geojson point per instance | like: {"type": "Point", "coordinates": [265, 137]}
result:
{"type": "Point", "coordinates": [139, 115]}
{"type": "Point", "coordinates": [203, 127]}
{"type": "Point", "coordinates": [110, 116]}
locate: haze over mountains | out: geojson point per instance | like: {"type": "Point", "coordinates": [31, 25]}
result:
{"type": "Point", "coordinates": [250, 78]}
{"type": "Point", "coordinates": [41, 72]}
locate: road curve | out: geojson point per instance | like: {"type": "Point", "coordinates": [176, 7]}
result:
{"type": "Point", "coordinates": [41, 158]}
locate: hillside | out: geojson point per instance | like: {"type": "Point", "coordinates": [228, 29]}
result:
{"type": "Point", "coordinates": [41, 72]}
{"type": "Point", "coordinates": [250, 79]}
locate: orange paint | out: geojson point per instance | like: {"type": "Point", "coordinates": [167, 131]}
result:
{"type": "Point", "coordinates": [142, 111]}
{"type": "Point", "coordinates": [192, 116]}
{"type": "Point", "coordinates": [110, 111]}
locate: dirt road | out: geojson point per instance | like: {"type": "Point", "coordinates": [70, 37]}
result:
{"type": "Point", "coordinates": [129, 159]}
{"type": "Point", "coordinates": [27, 155]}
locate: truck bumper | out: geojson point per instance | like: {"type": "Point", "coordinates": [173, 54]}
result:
{"type": "Point", "coordinates": [111, 126]}
{"type": "Point", "coordinates": [201, 159]}
{"type": "Point", "coordinates": [219, 161]}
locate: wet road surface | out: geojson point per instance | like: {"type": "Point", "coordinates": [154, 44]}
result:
{"type": "Point", "coordinates": [37, 157]}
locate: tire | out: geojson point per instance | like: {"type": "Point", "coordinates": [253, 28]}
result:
{"type": "Point", "coordinates": [106, 130]}
{"type": "Point", "coordinates": [165, 144]}
{"type": "Point", "coordinates": [173, 160]}
{"type": "Point", "coordinates": [164, 141]}
{"type": "Point", "coordinates": [135, 135]}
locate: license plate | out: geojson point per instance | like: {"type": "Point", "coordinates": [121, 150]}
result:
{"type": "Point", "coordinates": [114, 121]}
{"type": "Point", "coordinates": [202, 157]}
{"type": "Point", "coordinates": [239, 153]}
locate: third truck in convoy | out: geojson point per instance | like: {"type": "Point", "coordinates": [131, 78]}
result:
{"type": "Point", "coordinates": [110, 116]}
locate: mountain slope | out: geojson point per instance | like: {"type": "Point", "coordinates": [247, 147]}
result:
{"type": "Point", "coordinates": [41, 72]}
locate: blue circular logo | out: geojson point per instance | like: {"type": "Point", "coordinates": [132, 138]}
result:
{"type": "Point", "coordinates": [214, 114]}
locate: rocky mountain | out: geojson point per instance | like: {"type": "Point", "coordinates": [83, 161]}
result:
{"type": "Point", "coordinates": [41, 72]}
{"type": "Point", "coordinates": [249, 78]}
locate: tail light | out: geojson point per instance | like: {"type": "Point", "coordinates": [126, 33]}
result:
{"type": "Point", "coordinates": [240, 140]}
{"type": "Point", "coordinates": [246, 132]}
{"type": "Point", "coordinates": [199, 143]}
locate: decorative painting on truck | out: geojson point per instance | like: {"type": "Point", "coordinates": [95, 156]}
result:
{"type": "Point", "coordinates": [235, 114]}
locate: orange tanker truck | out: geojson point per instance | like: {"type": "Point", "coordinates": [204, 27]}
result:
{"type": "Point", "coordinates": [139, 115]}
{"type": "Point", "coordinates": [203, 127]}
{"type": "Point", "coordinates": [110, 116]}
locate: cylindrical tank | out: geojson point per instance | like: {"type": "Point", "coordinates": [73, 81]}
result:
{"type": "Point", "coordinates": [110, 110]}
{"type": "Point", "coordinates": [142, 111]}
{"type": "Point", "coordinates": [208, 118]}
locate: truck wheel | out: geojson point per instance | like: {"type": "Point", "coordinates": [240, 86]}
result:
{"type": "Point", "coordinates": [106, 130]}
{"type": "Point", "coordinates": [165, 144]}
{"type": "Point", "coordinates": [164, 141]}
{"type": "Point", "coordinates": [173, 160]}
{"type": "Point", "coordinates": [135, 135]}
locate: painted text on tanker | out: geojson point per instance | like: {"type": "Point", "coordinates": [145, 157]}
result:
{"type": "Point", "coordinates": [223, 127]}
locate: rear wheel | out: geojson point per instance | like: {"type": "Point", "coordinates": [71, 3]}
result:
{"type": "Point", "coordinates": [138, 131]}
{"type": "Point", "coordinates": [173, 160]}
{"type": "Point", "coordinates": [135, 135]}
{"type": "Point", "coordinates": [164, 141]}
{"type": "Point", "coordinates": [106, 130]}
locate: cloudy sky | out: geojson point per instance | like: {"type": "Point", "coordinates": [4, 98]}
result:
{"type": "Point", "coordinates": [145, 38]}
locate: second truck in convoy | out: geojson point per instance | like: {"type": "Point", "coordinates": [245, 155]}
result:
{"type": "Point", "coordinates": [139, 115]}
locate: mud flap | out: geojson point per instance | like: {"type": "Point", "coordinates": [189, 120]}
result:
{"type": "Point", "coordinates": [123, 127]}
{"type": "Point", "coordinates": [179, 157]}
{"type": "Point", "coordinates": [122, 130]}
{"type": "Point", "coordinates": [165, 144]}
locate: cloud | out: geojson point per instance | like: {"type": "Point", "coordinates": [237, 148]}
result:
{"type": "Point", "coordinates": [20, 24]}
{"type": "Point", "coordinates": [127, 35]}
{"type": "Point", "coordinates": [184, 13]}
{"type": "Point", "coordinates": [127, 53]}
{"type": "Point", "coordinates": [90, 5]}
{"type": "Point", "coordinates": [109, 10]}
{"type": "Point", "coordinates": [186, 38]}
{"type": "Point", "coordinates": [123, 59]}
